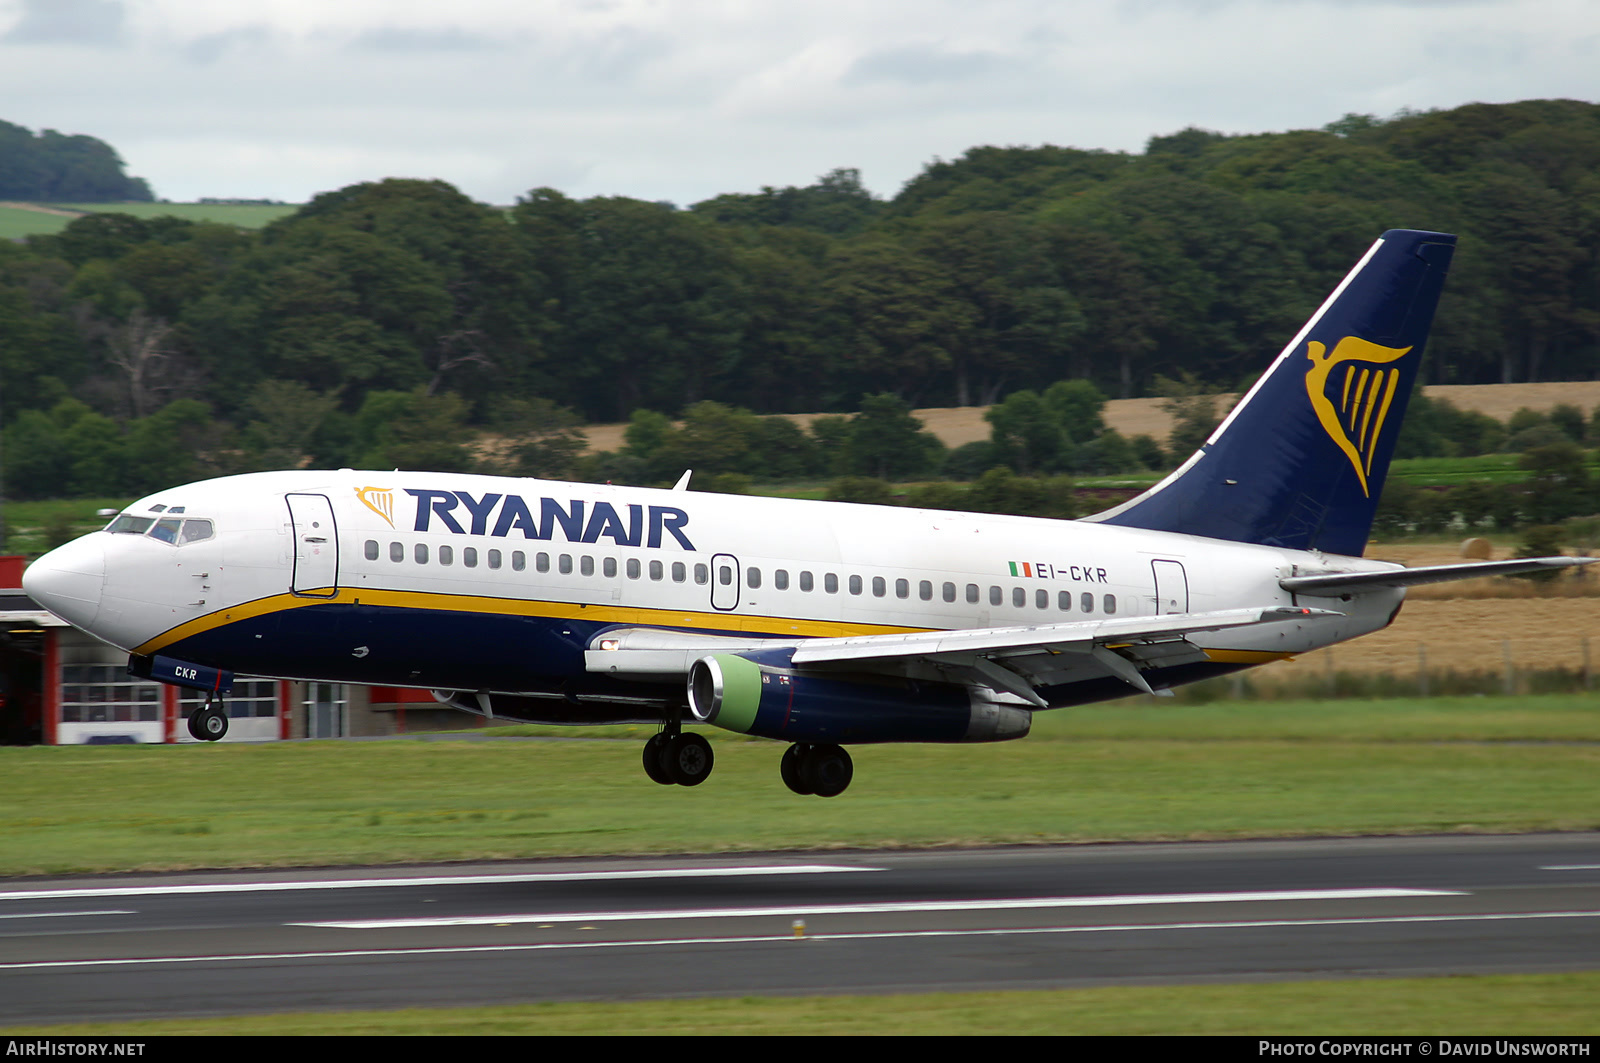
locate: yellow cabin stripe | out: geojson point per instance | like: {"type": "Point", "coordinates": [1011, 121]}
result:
{"type": "Point", "coordinates": [466, 603]}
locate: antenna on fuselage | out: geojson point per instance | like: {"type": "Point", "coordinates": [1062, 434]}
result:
{"type": "Point", "coordinates": [683, 481]}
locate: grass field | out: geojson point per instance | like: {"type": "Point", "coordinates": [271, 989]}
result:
{"type": "Point", "coordinates": [1530, 1005]}
{"type": "Point", "coordinates": [17, 223]}
{"type": "Point", "coordinates": [1134, 771]}
{"type": "Point", "coordinates": [246, 216]}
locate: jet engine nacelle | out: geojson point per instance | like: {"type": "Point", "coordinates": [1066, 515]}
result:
{"type": "Point", "coordinates": [774, 700]}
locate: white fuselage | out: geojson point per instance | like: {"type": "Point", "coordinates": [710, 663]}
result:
{"type": "Point", "coordinates": [381, 572]}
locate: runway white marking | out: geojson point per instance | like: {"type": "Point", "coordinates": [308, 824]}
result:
{"type": "Point", "coordinates": [255, 957]}
{"type": "Point", "coordinates": [1571, 867]}
{"type": "Point", "coordinates": [433, 880]}
{"type": "Point", "coordinates": [878, 908]}
{"type": "Point", "coordinates": [62, 915]}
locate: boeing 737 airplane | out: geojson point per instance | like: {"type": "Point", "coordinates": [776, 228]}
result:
{"type": "Point", "coordinates": [817, 624]}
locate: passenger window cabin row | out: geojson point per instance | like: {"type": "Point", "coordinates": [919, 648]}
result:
{"type": "Point", "coordinates": [679, 572]}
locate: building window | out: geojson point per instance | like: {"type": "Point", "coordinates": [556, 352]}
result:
{"type": "Point", "coordinates": [105, 693]}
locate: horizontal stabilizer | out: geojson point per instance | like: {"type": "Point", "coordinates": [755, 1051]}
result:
{"type": "Point", "coordinates": [1356, 582]}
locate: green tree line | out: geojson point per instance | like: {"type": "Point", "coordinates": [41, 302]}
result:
{"type": "Point", "coordinates": [393, 319]}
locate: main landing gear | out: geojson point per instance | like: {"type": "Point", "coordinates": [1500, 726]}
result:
{"type": "Point", "coordinates": [676, 757]}
{"type": "Point", "coordinates": [208, 723]}
{"type": "Point", "coordinates": [823, 770]}
{"type": "Point", "coordinates": [681, 757]}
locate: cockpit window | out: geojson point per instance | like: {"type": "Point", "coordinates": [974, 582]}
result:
{"type": "Point", "coordinates": [157, 509]}
{"type": "Point", "coordinates": [126, 525]}
{"type": "Point", "coordinates": [196, 530]}
{"type": "Point", "coordinates": [176, 531]}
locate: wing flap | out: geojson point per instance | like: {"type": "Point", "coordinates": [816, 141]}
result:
{"type": "Point", "coordinates": [1071, 637]}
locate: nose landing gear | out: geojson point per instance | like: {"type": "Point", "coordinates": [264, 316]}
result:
{"type": "Point", "coordinates": [208, 723]}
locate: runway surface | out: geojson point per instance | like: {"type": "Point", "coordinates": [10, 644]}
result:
{"type": "Point", "coordinates": [229, 943]}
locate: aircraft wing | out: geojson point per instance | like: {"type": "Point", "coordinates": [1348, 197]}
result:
{"type": "Point", "coordinates": [1011, 659]}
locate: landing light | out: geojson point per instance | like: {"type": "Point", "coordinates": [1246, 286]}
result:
{"type": "Point", "coordinates": [610, 644]}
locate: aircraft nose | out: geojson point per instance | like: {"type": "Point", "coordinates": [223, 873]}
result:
{"type": "Point", "coordinates": [69, 580]}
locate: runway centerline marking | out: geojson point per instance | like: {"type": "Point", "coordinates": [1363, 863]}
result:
{"type": "Point", "coordinates": [878, 908]}
{"type": "Point", "coordinates": [433, 880]}
{"type": "Point", "coordinates": [768, 939]}
{"type": "Point", "coordinates": [63, 915]}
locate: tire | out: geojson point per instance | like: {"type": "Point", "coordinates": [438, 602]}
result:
{"type": "Point", "coordinates": [789, 768]}
{"type": "Point", "coordinates": [208, 724]}
{"type": "Point", "coordinates": [687, 758]}
{"type": "Point", "coordinates": [826, 771]}
{"type": "Point", "coordinates": [652, 760]}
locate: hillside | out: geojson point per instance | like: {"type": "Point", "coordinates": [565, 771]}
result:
{"type": "Point", "coordinates": [19, 220]}
{"type": "Point", "coordinates": [965, 424]}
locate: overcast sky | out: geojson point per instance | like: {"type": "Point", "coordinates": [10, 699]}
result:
{"type": "Point", "coordinates": [684, 99]}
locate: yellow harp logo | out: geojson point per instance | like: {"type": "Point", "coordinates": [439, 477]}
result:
{"type": "Point", "coordinates": [378, 499]}
{"type": "Point", "coordinates": [1365, 389]}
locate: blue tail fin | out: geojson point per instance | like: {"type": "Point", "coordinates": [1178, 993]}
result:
{"type": "Point", "coordinates": [1301, 461]}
